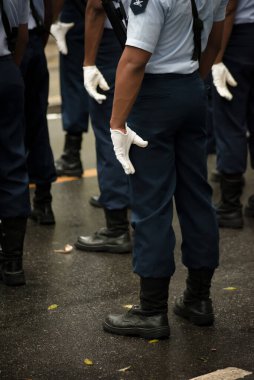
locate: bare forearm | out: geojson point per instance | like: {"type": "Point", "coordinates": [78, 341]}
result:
{"type": "Point", "coordinates": [212, 49]}
{"type": "Point", "coordinates": [228, 25]}
{"type": "Point", "coordinates": [129, 77]}
{"type": "Point", "coordinates": [21, 44]}
{"type": "Point", "coordinates": [94, 26]}
{"type": "Point", "coordinates": [48, 19]}
{"type": "Point", "coordinates": [57, 8]}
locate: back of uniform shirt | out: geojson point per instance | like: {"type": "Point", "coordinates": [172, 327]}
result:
{"type": "Point", "coordinates": [17, 13]}
{"type": "Point", "coordinates": [165, 29]}
{"type": "Point", "coordinates": [244, 12]}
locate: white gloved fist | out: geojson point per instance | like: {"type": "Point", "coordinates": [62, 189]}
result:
{"type": "Point", "coordinates": [93, 78]}
{"type": "Point", "coordinates": [59, 31]}
{"type": "Point", "coordinates": [222, 77]}
{"type": "Point", "coordinates": [122, 143]}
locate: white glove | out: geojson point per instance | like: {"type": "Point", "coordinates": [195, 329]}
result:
{"type": "Point", "coordinates": [222, 77]}
{"type": "Point", "coordinates": [59, 31]}
{"type": "Point", "coordinates": [92, 79]}
{"type": "Point", "coordinates": [122, 143]}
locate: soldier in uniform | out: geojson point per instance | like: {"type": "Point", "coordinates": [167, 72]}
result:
{"type": "Point", "coordinates": [34, 69]}
{"type": "Point", "coordinates": [102, 53]}
{"type": "Point", "coordinates": [69, 34]}
{"type": "Point", "coordinates": [159, 88]}
{"type": "Point", "coordinates": [233, 104]}
{"type": "Point", "coordinates": [14, 193]}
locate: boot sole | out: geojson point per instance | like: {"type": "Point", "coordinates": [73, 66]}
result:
{"type": "Point", "coordinates": [155, 333]}
{"type": "Point", "coordinates": [69, 173]}
{"type": "Point", "coordinates": [198, 320]}
{"type": "Point", "coordinates": [249, 213]}
{"type": "Point", "coordinates": [235, 224]}
{"type": "Point", "coordinates": [106, 248]}
{"type": "Point", "coordinates": [13, 279]}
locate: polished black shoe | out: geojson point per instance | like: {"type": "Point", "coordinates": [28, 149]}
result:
{"type": "Point", "coordinates": [95, 201]}
{"type": "Point", "coordinates": [11, 272]}
{"type": "Point", "coordinates": [43, 214]}
{"type": "Point", "coordinates": [199, 312]}
{"type": "Point", "coordinates": [249, 208]}
{"type": "Point", "coordinates": [137, 322]}
{"type": "Point", "coordinates": [103, 241]}
{"type": "Point", "coordinates": [69, 164]}
{"type": "Point", "coordinates": [228, 218]}
{"type": "Point", "coordinates": [69, 167]}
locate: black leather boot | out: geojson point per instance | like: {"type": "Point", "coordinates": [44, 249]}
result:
{"type": "Point", "coordinates": [249, 208]}
{"type": "Point", "coordinates": [95, 201]}
{"type": "Point", "coordinates": [69, 164]}
{"type": "Point", "coordinates": [150, 319]}
{"type": "Point", "coordinates": [13, 234]}
{"type": "Point", "coordinates": [114, 238]}
{"type": "Point", "coordinates": [229, 210]}
{"type": "Point", "coordinates": [42, 212]}
{"type": "Point", "coordinates": [195, 304]}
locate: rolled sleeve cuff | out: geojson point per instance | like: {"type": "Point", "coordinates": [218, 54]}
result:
{"type": "Point", "coordinates": [140, 44]}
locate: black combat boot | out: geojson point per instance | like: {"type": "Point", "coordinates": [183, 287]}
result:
{"type": "Point", "coordinates": [195, 304]}
{"type": "Point", "coordinates": [249, 208]}
{"type": "Point", "coordinates": [69, 164]}
{"type": "Point", "coordinates": [114, 238]}
{"type": "Point", "coordinates": [150, 319]}
{"type": "Point", "coordinates": [42, 212]}
{"type": "Point", "coordinates": [95, 201]}
{"type": "Point", "coordinates": [12, 240]}
{"type": "Point", "coordinates": [229, 210]}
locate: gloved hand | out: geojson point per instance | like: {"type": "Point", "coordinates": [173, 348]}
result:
{"type": "Point", "coordinates": [122, 143]}
{"type": "Point", "coordinates": [222, 77]}
{"type": "Point", "coordinates": [92, 79]}
{"type": "Point", "coordinates": [59, 31]}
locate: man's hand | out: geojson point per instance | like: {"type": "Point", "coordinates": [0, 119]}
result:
{"type": "Point", "coordinates": [59, 31]}
{"type": "Point", "coordinates": [122, 143]}
{"type": "Point", "coordinates": [93, 78]}
{"type": "Point", "coordinates": [222, 77]}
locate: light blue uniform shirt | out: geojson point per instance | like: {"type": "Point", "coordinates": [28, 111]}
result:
{"type": "Point", "coordinates": [39, 6]}
{"type": "Point", "coordinates": [17, 12]}
{"type": "Point", "coordinates": [165, 30]}
{"type": "Point", "coordinates": [245, 12]}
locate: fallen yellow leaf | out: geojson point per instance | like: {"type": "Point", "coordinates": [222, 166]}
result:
{"type": "Point", "coordinates": [53, 307]}
{"type": "Point", "coordinates": [153, 341]}
{"type": "Point", "coordinates": [67, 249]}
{"type": "Point", "coordinates": [88, 362]}
{"type": "Point", "coordinates": [230, 288]}
{"type": "Point", "coordinates": [127, 306]}
{"type": "Point", "coordinates": [124, 369]}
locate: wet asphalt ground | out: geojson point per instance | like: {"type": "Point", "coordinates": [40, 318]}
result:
{"type": "Point", "coordinates": [81, 288]}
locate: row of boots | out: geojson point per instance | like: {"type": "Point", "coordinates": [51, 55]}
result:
{"type": "Point", "coordinates": [230, 210]}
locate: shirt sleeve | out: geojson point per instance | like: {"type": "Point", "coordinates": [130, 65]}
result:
{"type": "Point", "coordinates": [220, 12]}
{"type": "Point", "coordinates": [144, 29]}
{"type": "Point", "coordinates": [23, 11]}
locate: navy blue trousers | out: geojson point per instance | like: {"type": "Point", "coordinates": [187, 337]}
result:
{"type": "Point", "coordinates": [34, 69]}
{"type": "Point", "coordinates": [113, 183]}
{"type": "Point", "coordinates": [75, 113]}
{"type": "Point", "coordinates": [14, 193]}
{"type": "Point", "coordinates": [232, 119]}
{"type": "Point", "coordinates": [170, 113]}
